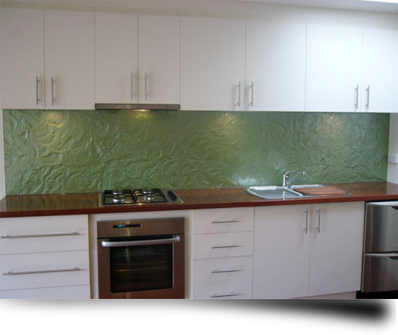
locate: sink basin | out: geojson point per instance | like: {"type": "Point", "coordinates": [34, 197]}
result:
{"type": "Point", "coordinates": [273, 192]}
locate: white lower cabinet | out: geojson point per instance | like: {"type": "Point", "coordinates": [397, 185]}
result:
{"type": "Point", "coordinates": [44, 258]}
{"type": "Point", "coordinates": [307, 250]}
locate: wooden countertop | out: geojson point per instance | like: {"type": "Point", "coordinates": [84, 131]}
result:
{"type": "Point", "coordinates": [88, 203]}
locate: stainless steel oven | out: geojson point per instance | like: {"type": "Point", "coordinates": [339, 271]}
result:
{"type": "Point", "coordinates": [141, 259]}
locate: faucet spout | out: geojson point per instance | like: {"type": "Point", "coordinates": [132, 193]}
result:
{"type": "Point", "coordinates": [288, 180]}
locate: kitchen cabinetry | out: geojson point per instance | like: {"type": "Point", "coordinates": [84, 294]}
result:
{"type": "Point", "coordinates": [222, 253]}
{"type": "Point", "coordinates": [69, 59]}
{"type": "Point", "coordinates": [22, 57]}
{"type": "Point", "coordinates": [212, 64]}
{"type": "Point", "coordinates": [137, 58]}
{"type": "Point", "coordinates": [380, 69]}
{"type": "Point", "coordinates": [44, 257]}
{"type": "Point", "coordinates": [275, 66]}
{"type": "Point", "coordinates": [333, 68]}
{"type": "Point", "coordinates": [307, 250]}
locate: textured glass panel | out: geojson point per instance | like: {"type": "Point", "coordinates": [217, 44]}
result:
{"type": "Point", "coordinates": [88, 151]}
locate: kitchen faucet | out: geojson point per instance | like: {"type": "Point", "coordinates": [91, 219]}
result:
{"type": "Point", "coordinates": [287, 180]}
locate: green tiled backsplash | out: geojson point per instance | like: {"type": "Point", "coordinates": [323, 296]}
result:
{"type": "Point", "coordinates": [88, 151]}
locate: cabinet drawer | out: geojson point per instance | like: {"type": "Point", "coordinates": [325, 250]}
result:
{"type": "Point", "coordinates": [222, 245]}
{"type": "Point", "coordinates": [212, 281]}
{"type": "Point", "coordinates": [64, 292]}
{"type": "Point", "coordinates": [223, 220]}
{"type": "Point", "coordinates": [43, 234]}
{"type": "Point", "coordinates": [44, 270]}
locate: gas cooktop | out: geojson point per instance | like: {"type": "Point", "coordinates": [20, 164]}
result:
{"type": "Point", "coordinates": [138, 196]}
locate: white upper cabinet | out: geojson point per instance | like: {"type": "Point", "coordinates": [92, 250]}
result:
{"type": "Point", "coordinates": [22, 57]}
{"type": "Point", "coordinates": [333, 68]}
{"type": "Point", "coordinates": [380, 71]}
{"type": "Point", "coordinates": [116, 58]}
{"type": "Point", "coordinates": [212, 64]}
{"type": "Point", "coordinates": [159, 58]}
{"type": "Point", "coordinates": [275, 66]}
{"type": "Point", "coordinates": [69, 59]}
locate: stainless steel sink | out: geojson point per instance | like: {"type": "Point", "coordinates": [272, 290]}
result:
{"type": "Point", "coordinates": [305, 186]}
{"type": "Point", "coordinates": [273, 192]}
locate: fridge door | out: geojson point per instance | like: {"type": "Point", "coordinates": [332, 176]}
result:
{"type": "Point", "coordinates": [381, 228]}
{"type": "Point", "coordinates": [380, 272]}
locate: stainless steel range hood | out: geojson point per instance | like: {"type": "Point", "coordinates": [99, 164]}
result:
{"type": "Point", "coordinates": [137, 107]}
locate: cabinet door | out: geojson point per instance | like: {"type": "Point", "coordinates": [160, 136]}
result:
{"type": "Point", "coordinates": [159, 57]}
{"type": "Point", "coordinates": [212, 64]}
{"type": "Point", "coordinates": [336, 248]}
{"type": "Point", "coordinates": [116, 58]}
{"type": "Point", "coordinates": [69, 59]}
{"type": "Point", "coordinates": [380, 70]}
{"type": "Point", "coordinates": [281, 247]}
{"type": "Point", "coordinates": [275, 66]}
{"type": "Point", "coordinates": [22, 57]}
{"type": "Point", "coordinates": [333, 68]}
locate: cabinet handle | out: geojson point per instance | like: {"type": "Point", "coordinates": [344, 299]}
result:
{"type": "Point", "coordinates": [357, 96]}
{"type": "Point", "coordinates": [52, 91]}
{"type": "Point", "coordinates": [306, 221]}
{"type": "Point", "coordinates": [252, 94]}
{"type": "Point", "coordinates": [132, 86]}
{"type": "Point", "coordinates": [318, 228]}
{"type": "Point", "coordinates": [368, 97]}
{"type": "Point", "coordinates": [239, 93]}
{"type": "Point", "coordinates": [42, 235]}
{"type": "Point", "coordinates": [217, 246]}
{"type": "Point", "coordinates": [232, 294]}
{"type": "Point", "coordinates": [146, 86]}
{"type": "Point", "coordinates": [225, 271]}
{"type": "Point", "coordinates": [37, 90]}
{"type": "Point", "coordinates": [224, 221]}
{"type": "Point", "coordinates": [11, 273]}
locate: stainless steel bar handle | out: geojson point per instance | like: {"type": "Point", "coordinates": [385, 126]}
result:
{"type": "Point", "coordinates": [37, 91]}
{"type": "Point", "coordinates": [239, 93]}
{"type": "Point", "coordinates": [146, 86]}
{"type": "Point", "coordinates": [225, 271]}
{"type": "Point", "coordinates": [357, 96]}
{"type": "Point", "coordinates": [252, 94]}
{"type": "Point", "coordinates": [132, 86]}
{"type": "Point", "coordinates": [224, 221]}
{"type": "Point", "coordinates": [318, 228]}
{"type": "Point", "coordinates": [108, 244]}
{"type": "Point", "coordinates": [389, 254]}
{"type": "Point", "coordinates": [11, 273]}
{"type": "Point", "coordinates": [368, 97]}
{"type": "Point", "coordinates": [224, 246]}
{"type": "Point", "coordinates": [232, 294]}
{"type": "Point", "coordinates": [52, 91]}
{"type": "Point", "coordinates": [74, 233]}
{"type": "Point", "coordinates": [306, 221]}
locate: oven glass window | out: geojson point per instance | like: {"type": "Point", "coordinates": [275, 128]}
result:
{"type": "Point", "coordinates": [141, 268]}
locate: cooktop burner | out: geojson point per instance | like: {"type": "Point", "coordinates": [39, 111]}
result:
{"type": "Point", "coordinates": [138, 196]}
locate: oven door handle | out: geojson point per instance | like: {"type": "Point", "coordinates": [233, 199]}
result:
{"type": "Point", "coordinates": [109, 244]}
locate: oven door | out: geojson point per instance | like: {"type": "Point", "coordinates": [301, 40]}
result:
{"type": "Point", "coordinates": [148, 267]}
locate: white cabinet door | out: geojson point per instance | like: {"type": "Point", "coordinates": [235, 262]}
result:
{"type": "Point", "coordinates": [22, 57]}
{"type": "Point", "coordinates": [333, 68]}
{"type": "Point", "coordinates": [69, 59]}
{"type": "Point", "coordinates": [275, 66]}
{"type": "Point", "coordinates": [159, 57]}
{"type": "Point", "coordinates": [336, 248]}
{"type": "Point", "coordinates": [116, 58]}
{"type": "Point", "coordinates": [281, 249]}
{"type": "Point", "coordinates": [212, 64]}
{"type": "Point", "coordinates": [380, 70]}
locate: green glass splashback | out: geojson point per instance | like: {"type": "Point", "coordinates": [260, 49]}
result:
{"type": "Point", "coordinates": [86, 151]}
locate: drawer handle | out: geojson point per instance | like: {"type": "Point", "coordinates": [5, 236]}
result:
{"type": "Point", "coordinates": [10, 273]}
{"type": "Point", "coordinates": [224, 246]}
{"type": "Point", "coordinates": [75, 233]}
{"type": "Point", "coordinates": [225, 271]}
{"type": "Point", "coordinates": [225, 221]}
{"type": "Point", "coordinates": [232, 294]}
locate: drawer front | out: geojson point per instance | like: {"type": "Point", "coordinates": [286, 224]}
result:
{"type": "Point", "coordinates": [209, 221]}
{"type": "Point", "coordinates": [222, 245]}
{"type": "Point", "coordinates": [64, 292]}
{"type": "Point", "coordinates": [43, 234]}
{"type": "Point", "coordinates": [44, 270]}
{"type": "Point", "coordinates": [211, 276]}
